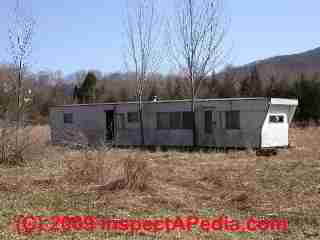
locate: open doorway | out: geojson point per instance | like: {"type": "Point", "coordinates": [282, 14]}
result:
{"type": "Point", "coordinates": [110, 126]}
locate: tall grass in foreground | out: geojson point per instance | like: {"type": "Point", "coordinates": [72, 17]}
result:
{"type": "Point", "coordinates": [18, 147]}
{"type": "Point", "coordinates": [105, 169]}
{"type": "Point", "coordinates": [141, 184]}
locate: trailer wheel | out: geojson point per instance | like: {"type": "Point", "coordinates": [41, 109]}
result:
{"type": "Point", "coordinates": [266, 152]}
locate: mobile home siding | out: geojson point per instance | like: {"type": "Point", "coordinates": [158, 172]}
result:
{"type": "Point", "coordinates": [89, 123]}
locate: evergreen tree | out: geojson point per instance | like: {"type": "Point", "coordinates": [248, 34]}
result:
{"type": "Point", "coordinates": [308, 93]}
{"type": "Point", "coordinates": [88, 89]}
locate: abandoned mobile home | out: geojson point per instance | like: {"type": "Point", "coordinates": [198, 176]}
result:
{"type": "Point", "coordinates": [230, 122]}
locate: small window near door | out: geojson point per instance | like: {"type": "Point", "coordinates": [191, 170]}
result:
{"type": "Point", "coordinates": [68, 118]}
{"type": "Point", "coordinates": [208, 122]}
{"type": "Point", "coordinates": [133, 117]}
{"type": "Point", "coordinates": [276, 119]}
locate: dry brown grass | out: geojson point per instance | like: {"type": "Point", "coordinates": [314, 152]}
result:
{"type": "Point", "coordinates": [136, 173]}
{"type": "Point", "coordinates": [30, 145]}
{"type": "Point", "coordinates": [126, 183]}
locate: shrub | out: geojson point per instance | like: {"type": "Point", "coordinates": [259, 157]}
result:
{"type": "Point", "coordinates": [20, 146]}
{"type": "Point", "coordinates": [84, 166]}
{"type": "Point", "coordinates": [136, 173]}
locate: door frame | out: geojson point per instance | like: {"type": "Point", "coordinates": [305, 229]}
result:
{"type": "Point", "coordinates": [204, 136]}
{"type": "Point", "coordinates": [110, 128]}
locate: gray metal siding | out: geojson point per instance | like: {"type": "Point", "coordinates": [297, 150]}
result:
{"type": "Point", "coordinates": [89, 124]}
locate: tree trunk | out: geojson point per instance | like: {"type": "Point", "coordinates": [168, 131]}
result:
{"type": "Point", "coordinates": [194, 124]}
{"type": "Point", "coordinates": [19, 86]}
{"type": "Point", "coordinates": [141, 121]}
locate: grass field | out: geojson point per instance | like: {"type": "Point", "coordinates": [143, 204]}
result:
{"type": "Point", "coordinates": [58, 181]}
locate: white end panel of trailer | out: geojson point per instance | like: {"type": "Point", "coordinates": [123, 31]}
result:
{"type": "Point", "coordinates": [275, 130]}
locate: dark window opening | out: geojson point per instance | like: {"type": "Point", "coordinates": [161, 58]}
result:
{"type": "Point", "coordinates": [276, 119]}
{"type": "Point", "coordinates": [175, 120]}
{"type": "Point", "coordinates": [133, 117]}
{"type": "Point", "coordinates": [187, 120]}
{"type": "Point", "coordinates": [110, 125]}
{"type": "Point", "coordinates": [233, 120]}
{"type": "Point", "coordinates": [163, 120]}
{"type": "Point", "coordinates": [68, 118]}
{"type": "Point", "coordinates": [208, 121]}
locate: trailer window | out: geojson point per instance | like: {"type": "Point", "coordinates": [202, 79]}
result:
{"type": "Point", "coordinates": [208, 121]}
{"type": "Point", "coordinates": [276, 119]}
{"type": "Point", "coordinates": [175, 120]}
{"type": "Point", "coordinates": [187, 120]}
{"type": "Point", "coordinates": [163, 120]}
{"type": "Point", "coordinates": [133, 117]}
{"type": "Point", "coordinates": [68, 118]}
{"type": "Point", "coordinates": [233, 120]}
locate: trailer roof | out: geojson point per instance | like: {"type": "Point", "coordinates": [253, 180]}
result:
{"type": "Point", "coordinates": [272, 101]}
{"type": "Point", "coordinates": [282, 101]}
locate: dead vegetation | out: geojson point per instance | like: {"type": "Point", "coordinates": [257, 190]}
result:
{"type": "Point", "coordinates": [135, 175]}
{"type": "Point", "coordinates": [133, 183]}
{"type": "Point", "coordinates": [18, 147]}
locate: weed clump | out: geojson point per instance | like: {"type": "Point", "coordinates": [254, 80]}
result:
{"type": "Point", "coordinates": [136, 173]}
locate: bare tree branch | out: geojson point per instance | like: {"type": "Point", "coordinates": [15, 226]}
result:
{"type": "Point", "coordinates": [142, 33]}
{"type": "Point", "coordinates": [196, 41]}
{"type": "Point", "coordinates": [21, 32]}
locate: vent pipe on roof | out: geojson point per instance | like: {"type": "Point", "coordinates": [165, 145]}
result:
{"type": "Point", "coordinates": [155, 99]}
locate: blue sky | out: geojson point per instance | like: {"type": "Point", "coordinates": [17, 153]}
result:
{"type": "Point", "coordinates": [74, 35]}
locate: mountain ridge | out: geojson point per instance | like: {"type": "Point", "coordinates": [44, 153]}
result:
{"type": "Point", "coordinates": [288, 67]}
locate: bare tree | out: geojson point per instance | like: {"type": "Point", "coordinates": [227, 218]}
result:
{"type": "Point", "coordinates": [196, 43]}
{"type": "Point", "coordinates": [142, 32]}
{"type": "Point", "coordinates": [21, 32]}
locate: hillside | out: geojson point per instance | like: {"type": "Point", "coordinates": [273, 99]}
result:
{"type": "Point", "coordinates": [286, 66]}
